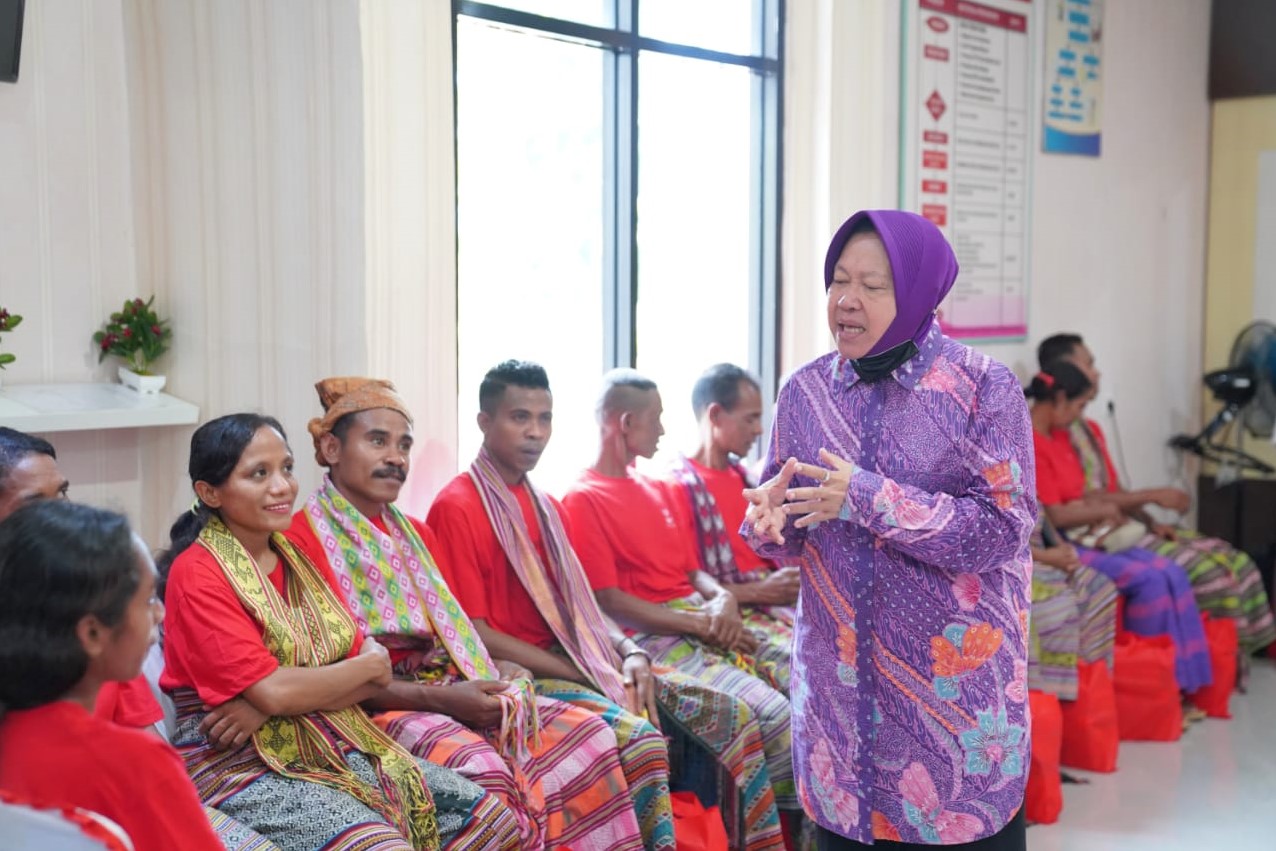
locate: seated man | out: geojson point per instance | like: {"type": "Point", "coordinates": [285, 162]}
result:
{"type": "Point", "coordinates": [1225, 580]}
{"type": "Point", "coordinates": [504, 547]}
{"type": "Point", "coordinates": [29, 472]}
{"type": "Point", "coordinates": [728, 403]}
{"type": "Point", "coordinates": [630, 533]}
{"type": "Point", "coordinates": [555, 766]}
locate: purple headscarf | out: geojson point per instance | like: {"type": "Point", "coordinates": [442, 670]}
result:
{"type": "Point", "coordinates": [922, 264]}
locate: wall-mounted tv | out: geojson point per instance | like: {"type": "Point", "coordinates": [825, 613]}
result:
{"type": "Point", "coordinates": [10, 39]}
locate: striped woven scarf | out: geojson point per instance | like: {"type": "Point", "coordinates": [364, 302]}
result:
{"type": "Point", "coordinates": [307, 627]}
{"type": "Point", "coordinates": [714, 538]}
{"type": "Point", "coordinates": [559, 589]}
{"type": "Point", "coordinates": [394, 588]}
{"type": "Point", "coordinates": [1090, 453]}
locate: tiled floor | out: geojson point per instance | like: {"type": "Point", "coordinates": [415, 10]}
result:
{"type": "Point", "coordinates": [1214, 790]}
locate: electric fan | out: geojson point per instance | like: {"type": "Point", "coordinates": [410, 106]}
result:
{"type": "Point", "coordinates": [1247, 389]}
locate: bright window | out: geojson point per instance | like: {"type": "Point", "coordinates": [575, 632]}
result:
{"type": "Point", "coordinates": [616, 201]}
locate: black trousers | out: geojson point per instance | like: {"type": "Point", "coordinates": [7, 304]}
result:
{"type": "Point", "coordinates": [1012, 837]}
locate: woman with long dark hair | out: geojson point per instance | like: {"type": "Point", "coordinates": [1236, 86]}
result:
{"type": "Point", "coordinates": [77, 610]}
{"type": "Point", "coordinates": [251, 617]}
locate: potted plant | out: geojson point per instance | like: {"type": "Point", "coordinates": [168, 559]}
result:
{"type": "Point", "coordinates": [8, 321]}
{"type": "Point", "coordinates": [136, 334]}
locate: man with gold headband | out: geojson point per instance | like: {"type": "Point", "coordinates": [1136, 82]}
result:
{"type": "Point", "coordinates": [554, 765]}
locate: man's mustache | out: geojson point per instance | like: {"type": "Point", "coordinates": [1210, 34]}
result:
{"type": "Point", "coordinates": [390, 473]}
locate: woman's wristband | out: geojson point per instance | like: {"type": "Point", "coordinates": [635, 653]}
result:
{"type": "Point", "coordinates": [635, 649]}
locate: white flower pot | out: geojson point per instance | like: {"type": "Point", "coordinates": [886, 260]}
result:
{"type": "Point", "coordinates": [144, 384]}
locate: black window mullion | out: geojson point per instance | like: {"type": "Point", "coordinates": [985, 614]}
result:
{"type": "Point", "coordinates": [627, 281]}
{"type": "Point", "coordinates": [613, 205]}
{"type": "Point", "coordinates": [571, 30]}
{"type": "Point", "coordinates": [769, 200]}
{"type": "Point", "coordinates": [769, 369]}
{"type": "Point", "coordinates": [764, 224]}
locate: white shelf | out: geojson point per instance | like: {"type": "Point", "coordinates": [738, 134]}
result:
{"type": "Point", "coordinates": [89, 407]}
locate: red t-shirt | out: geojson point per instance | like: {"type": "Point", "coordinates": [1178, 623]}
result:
{"type": "Point", "coordinates": [130, 704]}
{"type": "Point", "coordinates": [59, 754]}
{"type": "Point", "coordinates": [631, 533]}
{"type": "Point", "coordinates": [1060, 478]}
{"type": "Point", "coordinates": [211, 643]}
{"type": "Point", "coordinates": [477, 569]}
{"type": "Point", "coordinates": [302, 535]}
{"type": "Point", "coordinates": [726, 487]}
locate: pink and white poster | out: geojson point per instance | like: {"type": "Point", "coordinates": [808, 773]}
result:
{"type": "Point", "coordinates": [966, 153]}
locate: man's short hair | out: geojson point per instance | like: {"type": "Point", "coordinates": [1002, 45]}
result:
{"type": "Point", "coordinates": [15, 446]}
{"type": "Point", "coordinates": [620, 389]}
{"type": "Point", "coordinates": [510, 373]}
{"type": "Point", "coordinates": [1057, 348]}
{"type": "Point", "coordinates": [719, 383]}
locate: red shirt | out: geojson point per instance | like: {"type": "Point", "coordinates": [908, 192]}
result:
{"type": "Point", "coordinates": [211, 643]}
{"type": "Point", "coordinates": [631, 534]}
{"type": "Point", "coordinates": [476, 567]}
{"type": "Point", "coordinates": [1060, 478]}
{"type": "Point", "coordinates": [130, 704]}
{"type": "Point", "coordinates": [726, 487]}
{"type": "Point", "coordinates": [302, 535]}
{"type": "Point", "coordinates": [62, 755]}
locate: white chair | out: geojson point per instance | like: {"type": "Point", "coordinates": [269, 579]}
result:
{"type": "Point", "coordinates": [152, 667]}
{"type": "Point", "coordinates": [24, 828]}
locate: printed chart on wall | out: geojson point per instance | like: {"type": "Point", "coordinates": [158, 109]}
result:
{"type": "Point", "coordinates": [1074, 77]}
{"type": "Point", "coordinates": [965, 151]}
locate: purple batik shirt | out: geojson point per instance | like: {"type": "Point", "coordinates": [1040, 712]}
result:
{"type": "Point", "coordinates": [909, 692]}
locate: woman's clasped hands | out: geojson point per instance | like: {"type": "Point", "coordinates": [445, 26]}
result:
{"type": "Point", "coordinates": [774, 501]}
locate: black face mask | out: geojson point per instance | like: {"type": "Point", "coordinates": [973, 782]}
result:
{"type": "Point", "coordinates": [877, 367]}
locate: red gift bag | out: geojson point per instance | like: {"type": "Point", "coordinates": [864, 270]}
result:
{"type": "Point", "coordinates": [1090, 739]}
{"type": "Point", "coordinates": [697, 828]}
{"type": "Point", "coordinates": [1223, 641]}
{"type": "Point", "coordinates": [1044, 800]}
{"type": "Point", "coordinates": [1147, 693]}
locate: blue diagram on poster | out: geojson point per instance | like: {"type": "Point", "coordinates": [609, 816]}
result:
{"type": "Point", "coordinates": [1073, 78]}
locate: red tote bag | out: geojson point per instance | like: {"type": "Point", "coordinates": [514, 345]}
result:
{"type": "Point", "coordinates": [1224, 646]}
{"type": "Point", "coordinates": [698, 828]}
{"type": "Point", "coordinates": [1090, 731]}
{"type": "Point", "coordinates": [1147, 693]}
{"type": "Point", "coordinates": [1044, 800]}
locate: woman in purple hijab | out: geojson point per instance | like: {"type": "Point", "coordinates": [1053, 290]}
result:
{"type": "Point", "coordinates": [900, 468]}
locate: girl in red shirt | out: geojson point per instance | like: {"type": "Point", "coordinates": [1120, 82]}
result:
{"type": "Point", "coordinates": [78, 608]}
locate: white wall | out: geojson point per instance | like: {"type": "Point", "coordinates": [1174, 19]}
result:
{"type": "Point", "coordinates": [1118, 247]}
{"type": "Point", "coordinates": [67, 254]}
{"type": "Point", "coordinates": [209, 154]}
{"type": "Point", "coordinates": [248, 156]}
{"type": "Point", "coordinates": [410, 192]}
{"type": "Point", "coordinates": [289, 204]}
